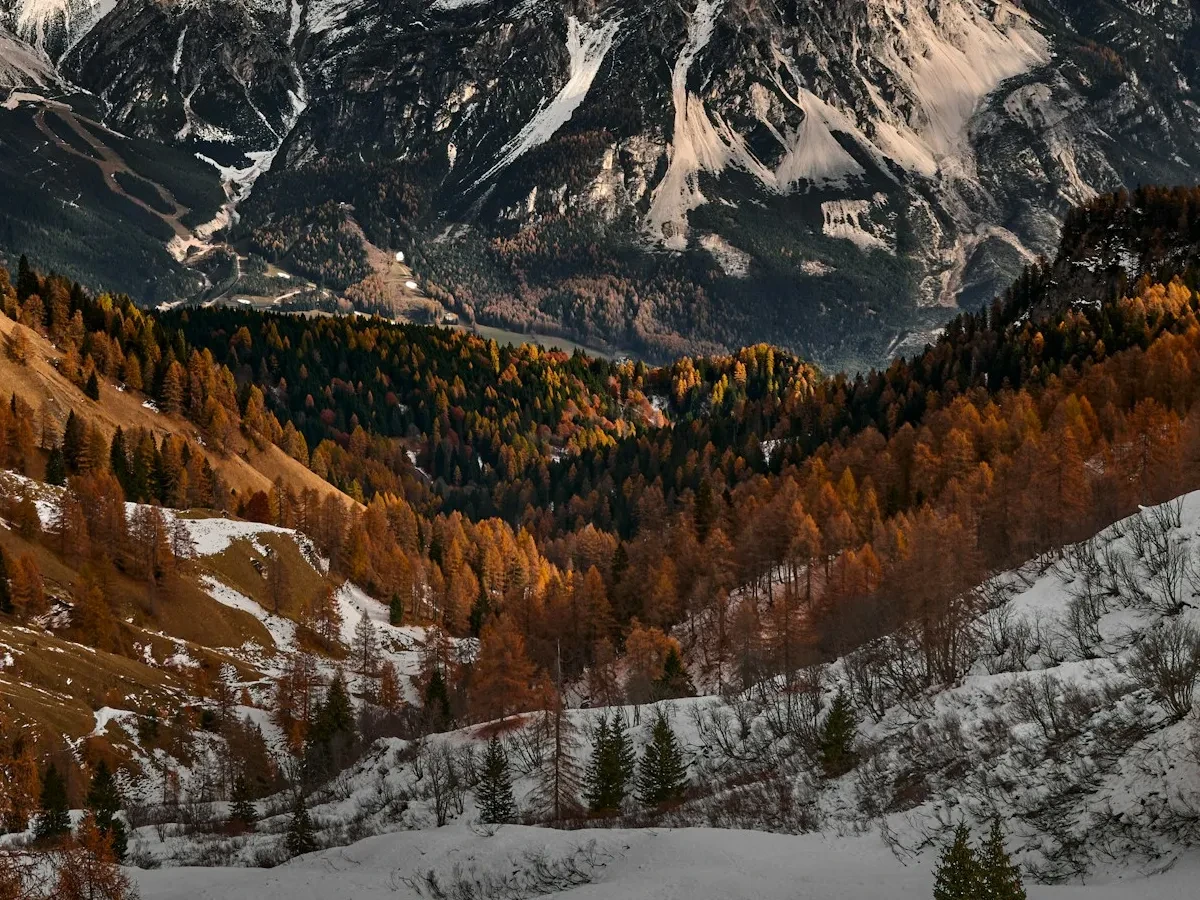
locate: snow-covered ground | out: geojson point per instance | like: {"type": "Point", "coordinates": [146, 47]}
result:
{"type": "Point", "coordinates": [663, 864]}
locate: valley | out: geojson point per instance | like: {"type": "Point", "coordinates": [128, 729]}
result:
{"type": "Point", "coordinates": [495, 449]}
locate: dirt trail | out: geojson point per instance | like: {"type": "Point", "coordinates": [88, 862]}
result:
{"type": "Point", "coordinates": [110, 163]}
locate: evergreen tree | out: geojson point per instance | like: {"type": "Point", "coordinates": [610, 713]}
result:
{"type": "Point", "coordinates": [92, 388]}
{"type": "Point", "coordinates": [675, 681]}
{"type": "Point", "coordinates": [242, 813]}
{"type": "Point", "coordinates": [837, 737]}
{"type": "Point", "coordinates": [74, 442]}
{"type": "Point", "coordinates": [56, 466]}
{"type": "Point", "coordinates": [662, 776]}
{"type": "Point", "coordinates": [1000, 878]}
{"type": "Point", "coordinates": [54, 819]}
{"type": "Point", "coordinates": [6, 604]}
{"type": "Point", "coordinates": [332, 737]}
{"type": "Point", "coordinates": [495, 793]}
{"type": "Point", "coordinates": [301, 838]}
{"type": "Point", "coordinates": [958, 876]}
{"type": "Point", "coordinates": [118, 461]}
{"type": "Point", "coordinates": [437, 700]}
{"type": "Point", "coordinates": [396, 611]}
{"type": "Point", "coordinates": [104, 801]}
{"type": "Point", "coordinates": [612, 766]}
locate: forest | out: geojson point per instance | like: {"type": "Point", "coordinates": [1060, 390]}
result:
{"type": "Point", "coordinates": [627, 529]}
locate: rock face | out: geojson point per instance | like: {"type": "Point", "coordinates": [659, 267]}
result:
{"type": "Point", "coordinates": [664, 175]}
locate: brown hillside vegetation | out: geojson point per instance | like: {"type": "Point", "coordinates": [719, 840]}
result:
{"type": "Point", "coordinates": [39, 382]}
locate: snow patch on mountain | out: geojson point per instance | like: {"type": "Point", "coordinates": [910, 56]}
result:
{"type": "Point", "coordinates": [587, 45]}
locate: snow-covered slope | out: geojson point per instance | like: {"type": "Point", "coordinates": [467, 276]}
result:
{"type": "Point", "coordinates": [1051, 725]}
{"type": "Point", "coordinates": [700, 864]}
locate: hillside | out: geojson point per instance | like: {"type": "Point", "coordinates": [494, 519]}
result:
{"type": "Point", "coordinates": [1058, 727]}
{"type": "Point", "coordinates": [38, 380]}
{"type": "Point", "coordinates": [954, 590]}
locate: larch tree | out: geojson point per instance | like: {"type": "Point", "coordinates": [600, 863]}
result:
{"type": "Point", "coordinates": [502, 673]}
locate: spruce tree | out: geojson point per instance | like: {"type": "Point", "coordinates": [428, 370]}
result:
{"type": "Point", "coordinates": [494, 793]}
{"type": "Point", "coordinates": [1000, 878]}
{"type": "Point", "coordinates": [332, 737]}
{"type": "Point", "coordinates": [56, 466]}
{"type": "Point", "coordinates": [92, 388]}
{"type": "Point", "coordinates": [118, 461]}
{"type": "Point", "coordinates": [662, 776]}
{"type": "Point", "coordinates": [301, 838]}
{"type": "Point", "coordinates": [597, 790]}
{"type": "Point", "coordinates": [612, 767]}
{"type": "Point", "coordinates": [54, 819]}
{"type": "Point", "coordinates": [396, 611]}
{"type": "Point", "coordinates": [104, 801]}
{"type": "Point", "coordinates": [74, 442]}
{"type": "Point", "coordinates": [242, 813]}
{"type": "Point", "coordinates": [837, 737]}
{"type": "Point", "coordinates": [675, 681]}
{"type": "Point", "coordinates": [958, 876]}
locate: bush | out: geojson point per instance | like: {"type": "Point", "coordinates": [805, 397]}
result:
{"type": "Point", "coordinates": [1167, 663]}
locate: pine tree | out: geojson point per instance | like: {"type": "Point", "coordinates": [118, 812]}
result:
{"type": "Point", "coordinates": [104, 801]}
{"type": "Point", "coordinates": [242, 813]}
{"type": "Point", "coordinates": [495, 793]}
{"type": "Point", "coordinates": [92, 388]}
{"type": "Point", "coordinates": [54, 819]}
{"type": "Point", "coordinates": [958, 876]}
{"type": "Point", "coordinates": [999, 877]}
{"type": "Point", "coordinates": [612, 767]}
{"type": "Point", "coordinates": [396, 611]}
{"type": "Point", "coordinates": [56, 466]}
{"type": "Point", "coordinates": [301, 838]}
{"type": "Point", "coordinates": [662, 775]}
{"type": "Point", "coordinates": [837, 737]}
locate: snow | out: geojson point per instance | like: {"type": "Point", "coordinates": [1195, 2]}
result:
{"type": "Point", "coordinates": [661, 864]}
{"type": "Point", "coordinates": [851, 220]}
{"type": "Point", "coordinates": [282, 631]}
{"type": "Point", "coordinates": [452, 5]}
{"type": "Point", "coordinates": [213, 536]}
{"type": "Point", "coordinates": [107, 714]}
{"type": "Point", "coordinates": [587, 45]}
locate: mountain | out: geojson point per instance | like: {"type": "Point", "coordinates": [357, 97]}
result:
{"type": "Point", "coordinates": [659, 177]}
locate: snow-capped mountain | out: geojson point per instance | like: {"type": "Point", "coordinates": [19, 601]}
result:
{"type": "Point", "coordinates": [827, 175]}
